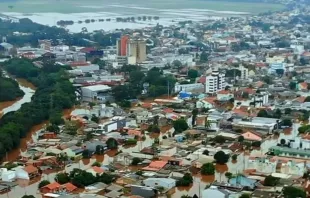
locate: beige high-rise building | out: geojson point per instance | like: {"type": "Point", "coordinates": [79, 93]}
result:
{"type": "Point", "coordinates": [137, 48]}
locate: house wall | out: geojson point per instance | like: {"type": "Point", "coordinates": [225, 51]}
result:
{"type": "Point", "coordinates": [158, 182]}
{"type": "Point", "coordinates": [203, 104]}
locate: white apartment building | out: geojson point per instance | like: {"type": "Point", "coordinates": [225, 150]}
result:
{"type": "Point", "coordinates": [215, 82]}
{"type": "Point", "coordinates": [244, 72]}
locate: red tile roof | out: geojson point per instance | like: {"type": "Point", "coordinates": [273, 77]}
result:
{"type": "Point", "coordinates": [87, 49]}
{"type": "Point", "coordinates": [75, 64]}
{"type": "Point", "coordinates": [70, 187]}
{"type": "Point", "coordinates": [202, 79]}
{"type": "Point", "coordinates": [30, 169]}
{"type": "Point", "coordinates": [52, 186]}
{"type": "Point", "coordinates": [224, 92]}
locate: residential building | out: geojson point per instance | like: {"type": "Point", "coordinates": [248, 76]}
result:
{"type": "Point", "coordinates": [276, 68]}
{"type": "Point", "coordinates": [98, 93]}
{"type": "Point", "coordinates": [121, 45]}
{"type": "Point", "coordinates": [127, 48]}
{"type": "Point", "coordinates": [137, 48]}
{"type": "Point", "coordinates": [188, 87]}
{"type": "Point", "coordinates": [32, 171]}
{"type": "Point", "coordinates": [244, 72]}
{"type": "Point", "coordinates": [91, 145]}
{"type": "Point", "coordinates": [167, 183]}
{"type": "Point", "coordinates": [216, 192]}
{"type": "Point", "coordinates": [45, 44]}
{"type": "Point", "coordinates": [204, 104]}
{"type": "Point", "coordinates": [215, 82]}
{"type": "Point", "coordinates": [73, 151]}
{"type": "Point", "coordinates": [244, 181]}
{"type": "Point", "coordinates": [143, 191]}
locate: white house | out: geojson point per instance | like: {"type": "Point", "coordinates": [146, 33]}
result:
{"type": "Point", "coordinates": [7, 175]}
{"type": "Point", "coordinates": [203, 104]}
{"type": "Point", "coordinates": [95, 92]}
{"type": "Point", "coordinates": [214, 192]}
{"type": "Point", "coordinates": [167, 183]}
{"type": "Point", "coordinates": [188, 87]}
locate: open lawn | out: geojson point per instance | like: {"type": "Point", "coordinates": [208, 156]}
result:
{"type": "Point", "coordinates": [152, 7]}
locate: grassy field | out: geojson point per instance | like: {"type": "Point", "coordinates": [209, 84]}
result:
{"type": "Point", "coordinates": [154, 6]}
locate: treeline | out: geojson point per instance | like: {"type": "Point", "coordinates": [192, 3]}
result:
{"type": "Point", "coordinates": [118, 19]}
{"type": "Point", "coordinates": [9, 89]}
{"type": "Point", "coordinates": [54, 93]}
{"type": "Point", "coordinates": [34, 32]}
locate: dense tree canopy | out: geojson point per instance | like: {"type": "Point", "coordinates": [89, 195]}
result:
{"type": "Point", "coordinates": [293, 192]}
{"type": "Point", "coordinates": [221, 158]}
{"type": "Point", "coordinates": [180, 125]}
{"type": "Point", "coordinates": [9, 89]}
{"type": "Point", "coordinates": [208, 169]}
{"type": "Point", "coordinates": [51, 87]}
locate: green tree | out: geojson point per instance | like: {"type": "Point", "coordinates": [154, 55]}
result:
{"type": "Point", "coordinates": [304, 129]}
{"type": "Point", "coordinates": [271, 181]}
{"type": "Point", "coordinates": [287, 111]}
{"type": "Point", "coordinates": [99, 150]}
{"type": "Point", "coordinates": [180, 125]}
{"type": "Point", "coordinates": [204, 57]}
{"type": "Point", "coordinates": [28, 196]}
{"type": "Point", "coordinates": [245, 195]}
{"type": "Point", "coordinates": [240, 138]}
{"type": "Point", "coordinates": [56, 119]}
{"type": "Point", "coordinates": [111, 143]}
{"type": "Point", "coordinates": [207, 169]}
{"type": "Point", "coordinates": [94, 118]}
{"type": "Point", "coordinates": [194, 116]}
{"type": "Point", "coordinates": [256, 144]}
{"type": "Point", "coordinates": [186, 180]}
{"type": "Point", "coordinates": [206, 152]}
{"type": "Point", "coordinates": [228, 175]}
{"type": "Point", "coordinates": [86, 154]}
{"type": "Point", "coordinates": [307, 99]}
{"type": "Point", "coordinates": [294, 192]}
{"type": "Point", "coordinates": [136, 78]}
{"type": "Point", "coordinates": [263, 113]}
{"type": "Point", "coordinates": [221, 158]}
{"type": "Point", "coordinates": [192, 73]}
{"type": "Point", "coordinates": [43, 183]}
{"type": "Point", "coordinates": [135, 161]}
{"type": "Point", "coordinates": [153, 128]}
{"type": "Point", "coordinates": [98, 164]}
{"type": "Point", "coordinates": [62, 178]}
{"type": "Point", "coordinates": [287, 122]}
{"type": "Point", "coordinates": [219, 139]}
{"type": "Point", "coordinates": [292, 85]}
{"type": "Point", "coordinates": [53, 128]}
{"type": "Point", "coordinates": [177, 64]}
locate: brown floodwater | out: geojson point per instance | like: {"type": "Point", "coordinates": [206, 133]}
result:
{"type": "Point", "coordinates": [8, 106]}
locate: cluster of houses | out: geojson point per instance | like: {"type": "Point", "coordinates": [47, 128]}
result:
{"type": "Point", "coordinates": [250, 100]}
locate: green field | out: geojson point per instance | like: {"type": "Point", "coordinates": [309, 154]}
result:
{"type": "Point", "coordinates": [78, 6]}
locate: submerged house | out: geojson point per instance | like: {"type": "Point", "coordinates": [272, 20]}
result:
{"type": "Point", "coordinates": [247, 183]}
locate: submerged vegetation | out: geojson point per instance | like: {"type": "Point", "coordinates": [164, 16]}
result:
{"type": "Point", "coordinates": [54, 93]}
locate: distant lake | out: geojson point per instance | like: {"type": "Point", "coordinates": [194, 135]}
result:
{"type": "Point", "coordinates": [48, 12]}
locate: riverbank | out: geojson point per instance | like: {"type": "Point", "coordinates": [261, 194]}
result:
{"type": "Point", "coordinates": [9, 106]}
